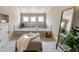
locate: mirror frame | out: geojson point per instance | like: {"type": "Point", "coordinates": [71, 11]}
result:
{"type": "Point", "coordinates": [57, 44]}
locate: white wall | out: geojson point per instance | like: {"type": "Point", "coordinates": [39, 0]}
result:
{"type": "Point", "coordinates": [76, 17]}
{"type": "Point", "coordinates": [54, 18]}
{"type": "Point", "coordinates": [14, 15]}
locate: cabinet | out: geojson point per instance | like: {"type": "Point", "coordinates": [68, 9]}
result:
{"type": "Point", "coordinates": [3, 31]}
{"type": "Point", "coordinates": [4, 18]}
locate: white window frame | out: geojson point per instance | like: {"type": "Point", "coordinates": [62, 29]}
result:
{"type": "Point", "coordinates": [27, 20]}
{"type": "Point", "coordinates": [39, 20]}
{"type": "Point", "coordinates": [33, 20]}
{"type": "Point", "coordinates": [34, 15]}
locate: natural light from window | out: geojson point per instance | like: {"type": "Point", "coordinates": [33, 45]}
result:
{"type": "Point", "coordinates": [33, 19]}
{"type": "Point", "coordinates": [41, 19]}
{"type": "Point", "coordinates": [25, 19]}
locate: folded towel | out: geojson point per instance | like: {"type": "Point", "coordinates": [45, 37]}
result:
{"type": "Point", "coordinates": [22, 43]}
{"type": "Point", "coordinates": [24, 40]}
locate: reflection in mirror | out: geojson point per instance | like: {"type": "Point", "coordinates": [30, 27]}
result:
{"type": "Point", "coordinates": [65, 27]}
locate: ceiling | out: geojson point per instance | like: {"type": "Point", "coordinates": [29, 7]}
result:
{"type": "Point", "coordinates": [33, 9]}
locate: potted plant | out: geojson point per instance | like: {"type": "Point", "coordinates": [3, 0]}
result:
{"type": "Point", "coordinates": [72, 40]}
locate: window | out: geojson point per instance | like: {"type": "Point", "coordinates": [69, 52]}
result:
{"type": "Point", "coordinates": [41, 19]}
{"type": "Point", "coordinates": [33, 19]}
{"type": "Point", "coordinates": [25, 19]}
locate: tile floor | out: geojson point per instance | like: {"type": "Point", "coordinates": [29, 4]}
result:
{"type": "Point", "coordinates": [48, 44]}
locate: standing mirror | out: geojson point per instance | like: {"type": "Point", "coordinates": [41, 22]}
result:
{"type": "Point", "coordinates": [65, 27]}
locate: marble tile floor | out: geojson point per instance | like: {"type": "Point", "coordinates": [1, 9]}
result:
{"type": "Point", "coordinates": [48, 45]}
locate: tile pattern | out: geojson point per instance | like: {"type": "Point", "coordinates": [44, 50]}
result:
{"type": "Point", "coordinates": [48, 44]}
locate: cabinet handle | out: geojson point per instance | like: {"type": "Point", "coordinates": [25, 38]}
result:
{"type": "Point", "coordinates": [8, 32]}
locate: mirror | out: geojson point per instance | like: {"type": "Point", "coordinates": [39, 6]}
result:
{"type": "Point", "coordinates": [65, 27]}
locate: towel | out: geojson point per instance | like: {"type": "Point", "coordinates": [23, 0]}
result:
{"type": "Point", "coordinates": [24, 40]}
{"type": "Point", "coordinates": [22, 43]}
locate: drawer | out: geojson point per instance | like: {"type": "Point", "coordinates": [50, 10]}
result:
{"type": "Point", "coordinates": [3, 31]}
{"type": "Point", "coordinates": [3, 28]}
{"type": "Point", "coordinates": [3, 35]}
